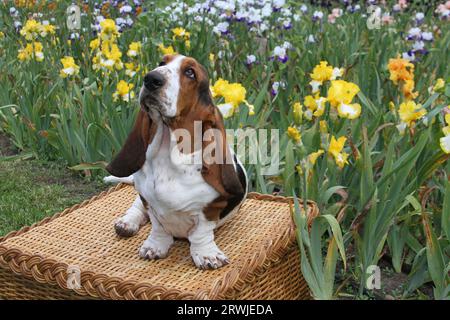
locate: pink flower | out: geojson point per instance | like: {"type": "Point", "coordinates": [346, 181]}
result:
{"type": "Point", "coordinates": [403, 4]}
{"type": "Point", "coordinates": [331, 18]}
{"type": "Point", "coordinates": [444, 10]}
{"type": "Point", "coordinates": [335, 13]}
{"type": "Point", "coordinates": [386, 19]}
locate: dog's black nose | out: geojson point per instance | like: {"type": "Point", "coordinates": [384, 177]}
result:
{"type": "Point", "coordinates": [153, 80]}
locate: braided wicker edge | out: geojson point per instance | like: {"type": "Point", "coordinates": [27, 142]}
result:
{"type": "Point", "coordinates": [50, 271]}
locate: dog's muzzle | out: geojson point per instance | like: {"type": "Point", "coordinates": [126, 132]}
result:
{"type": "Point", "coordinates": [153, 81]}
{"type": "Point", "coordinates": [150, 94]}
{"type": "Point", "coordinates": [150, 97]}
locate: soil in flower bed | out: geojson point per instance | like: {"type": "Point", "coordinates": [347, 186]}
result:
{"type": "Point", "coordinates": [6, 148]}
{"type": "Point", "coordinates": [393, 285]}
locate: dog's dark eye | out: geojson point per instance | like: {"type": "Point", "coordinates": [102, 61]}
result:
{"type": "Point", "coordinates": [190, 73]}
{"type": "Point", "coordinates": [162, 63]}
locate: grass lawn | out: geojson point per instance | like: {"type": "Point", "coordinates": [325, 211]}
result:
{"type": "Point", "coordinates": [32, 190]}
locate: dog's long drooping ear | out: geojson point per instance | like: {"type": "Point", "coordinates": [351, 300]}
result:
{"type": "Point", "coordinates": [132, 155]}
{"type": "Point", "coordinates": [221, 174]}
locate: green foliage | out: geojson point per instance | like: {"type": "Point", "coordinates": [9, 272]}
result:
{"type": "Point", "coordinates": [317, 271]}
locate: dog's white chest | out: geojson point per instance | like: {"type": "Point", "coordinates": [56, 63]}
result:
{"type": "Point", "coordinates": [174, 188]}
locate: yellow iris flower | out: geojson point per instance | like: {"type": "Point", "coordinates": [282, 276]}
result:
{"type": "Point", "coordinates": [440, 83]}
{"type": "Point", "coordinates": [31, 50]}
{"type": "Point", "coordinates": [219, 87]}
{"type": "Point", "coordinates": [94, 44]}
{"type": "Point", "coordinates": [445, 141]}
{"type": "Point", "coordinates": [341, 91]}
{"type": "Point", "coordinates": [446, 129]}
{"type": "Point", "coordinates": [233, 94]}
{"type": "Point", "coordinates": [131, 69]}
{"type": "Point", "coordinates": [47, 29]}
{"type": "Point", "coordinates": [70, 68]}
{"type": "Point", "coordinates": [111, 56]}
{"type": "Point", "coordinates": [109, 30]}
{"type": "Point", "coordinates": [123, 91]}
{"type": "Point", "coordinates": [294, 134]}
{"type": "Point", "coordinates": [340, 95]}
{"type": "Point", "coordinates": [410, 112]}
{"type": "Point", "coordinates": [322, 72]}
{"type": "Point", "coordinates": [349, 111]}
{"type": "Point", "coordinates": [25, 53]}
{"type": "Point", "coordinates": [335, 150]}
{"type": "Point", "coordinates": [312, 157]}
{"type": "Point", "coordinates": [166, 50]}
{"type": "Point", "coordinates": [315, 105]}
{"type": "Point", "coordinates": [180, 33]}
{"type": "Point", "coordinates": [134, 49]}
{"type": "Point", "coordinates": [31, 29]}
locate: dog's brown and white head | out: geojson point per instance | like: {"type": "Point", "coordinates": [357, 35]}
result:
{"type": "Point", "coordinates": [177, 87]}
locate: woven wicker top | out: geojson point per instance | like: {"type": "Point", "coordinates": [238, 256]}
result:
{"type": "Point", "coordinates": [83, 236]}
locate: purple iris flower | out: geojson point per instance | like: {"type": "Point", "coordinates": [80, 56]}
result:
{"type": "Point", "coordinates": [287, 25]}
{"type": "Point", "coordinates": [283, 59]}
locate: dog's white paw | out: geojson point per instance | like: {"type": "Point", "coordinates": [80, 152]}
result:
{"type": "Point", "coordinates": [155, 250]}
{"type": "Point", "coordinates": [209, 258]}
{"type": "Point", "coordinates": [126, 228]}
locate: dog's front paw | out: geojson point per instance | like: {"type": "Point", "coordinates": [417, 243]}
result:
{"type": "Point", "coordinates": [154, 250]}
{"type": "Point", "coordinates": [209, 257]}
{"type": "Point", "coordinates": [125, 229]}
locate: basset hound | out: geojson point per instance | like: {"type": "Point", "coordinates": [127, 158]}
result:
{"type": "Point", "coordinates": [182, 199]}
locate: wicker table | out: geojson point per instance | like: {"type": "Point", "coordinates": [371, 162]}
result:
{"type": "Point", "coordinates": [36, 261]}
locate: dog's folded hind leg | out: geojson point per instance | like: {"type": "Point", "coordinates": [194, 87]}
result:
{"type": "Point", "coordinates": [135, 217]}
